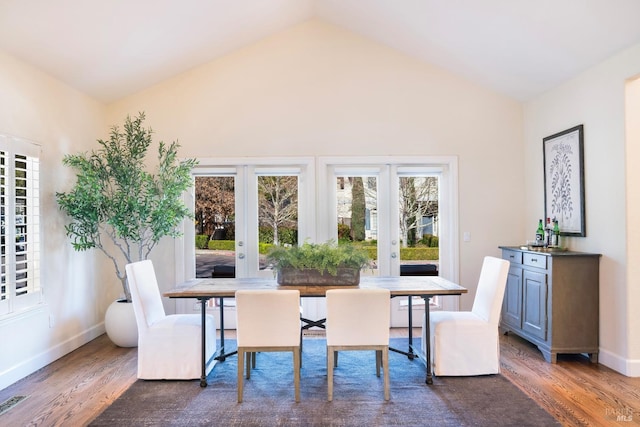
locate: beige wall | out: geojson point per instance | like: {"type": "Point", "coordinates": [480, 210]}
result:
{"type": "Point", "coordinates": [596, 99]}
{"type": "Point", "coordinates": [36, 107]}
{"type": "Point", "coordinates": [317, 90]}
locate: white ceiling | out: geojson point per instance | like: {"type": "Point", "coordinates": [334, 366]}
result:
{"type": "Point", "coordinates": [113, 48]}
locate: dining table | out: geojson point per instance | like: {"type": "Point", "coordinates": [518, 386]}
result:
{"type": "Point", "coordinates": [426, 287]}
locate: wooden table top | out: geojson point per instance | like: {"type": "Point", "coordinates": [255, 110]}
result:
{"type": "Point", "coordinates": [397, 285]}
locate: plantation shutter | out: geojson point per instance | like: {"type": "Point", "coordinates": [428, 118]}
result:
{"type": "Point", "coordinates": [20, 225]}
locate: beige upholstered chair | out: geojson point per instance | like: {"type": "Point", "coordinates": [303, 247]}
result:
{"type": "Point", "coordinates": [465, 343]}
{"type": "Point", "coordinates": [169, 346]}
{"type": "Point", "coordinates": [267, 320]}
{"type": "Point", "coordinates": [358, 319]}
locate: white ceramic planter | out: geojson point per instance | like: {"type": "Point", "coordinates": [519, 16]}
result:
{"type": "Point", "coordinates": [120, 323]}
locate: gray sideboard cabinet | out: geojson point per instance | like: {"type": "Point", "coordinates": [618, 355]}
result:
{"type": "Point", "coordinates": [552, 300]}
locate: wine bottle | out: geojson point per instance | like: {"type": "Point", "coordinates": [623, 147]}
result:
{"type": "Point", "coordinates": [539, 234]}
{"type": "Point", "coordinates": [555, 239]}
{"type": "Point", "coordinates": [548, 231]}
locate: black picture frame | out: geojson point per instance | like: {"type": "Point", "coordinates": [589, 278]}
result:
{"type": "Point", "coordinates": [563, 159]}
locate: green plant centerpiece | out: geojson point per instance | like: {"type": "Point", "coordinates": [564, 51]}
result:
{"type": "Point", "coordinates": [326, 263]}
{"type": "Point", "coordinates": [119, 207]}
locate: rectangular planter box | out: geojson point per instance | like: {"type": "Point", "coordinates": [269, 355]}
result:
{"type": "Point", "coordinates": [295, 276]}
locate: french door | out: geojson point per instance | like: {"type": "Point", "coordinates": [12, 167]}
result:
{"type": "Point", "coordinates": [389, 220]}
{"type": "Point", "coordinates": [245, 182]}
{"type": "Point", "coordinates": [324, 188]}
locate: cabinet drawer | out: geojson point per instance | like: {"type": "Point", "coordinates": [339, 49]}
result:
{"type": "Point", "coordinates": [512, 256]}
{"type": "Point", "coordinates": [535, 260]}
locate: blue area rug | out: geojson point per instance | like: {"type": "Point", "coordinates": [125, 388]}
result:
{"type": "Point", "coordinates": [358, 396]}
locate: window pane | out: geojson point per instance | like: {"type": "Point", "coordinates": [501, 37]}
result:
{"type": "Point", "coordinates": [357, 203]}
{"type": "Point", "coordinates": [215, 226]}
{"type": "Point", "coordinates": [278, 209]}
{"type": "Point", "coordinates": [418, 198]}
{"type": "Point", "coordinates": [357, 210]}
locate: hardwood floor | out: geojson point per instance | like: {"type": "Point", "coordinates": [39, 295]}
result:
{"type": "Point", "coordinates": [575, 391]}
{"type": "Point", "coordinates": [75, 389]}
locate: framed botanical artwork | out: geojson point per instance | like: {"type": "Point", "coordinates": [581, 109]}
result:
{"type": "Point", "coordinates": [564, 180]}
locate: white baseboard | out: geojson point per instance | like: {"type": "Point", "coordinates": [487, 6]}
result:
{"type": "Point", "coordinates": [627, 367]}
{"type": "Point", "coordinates": [27, 367]}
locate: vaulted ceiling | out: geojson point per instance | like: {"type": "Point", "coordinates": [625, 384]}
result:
{"type": "Point", "coordinates": [110, 49]}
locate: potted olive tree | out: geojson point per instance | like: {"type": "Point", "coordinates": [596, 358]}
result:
{"type": "Point", "coordinates": [120, 208]}
{"type": "Point", "coordinates": [326, 263]}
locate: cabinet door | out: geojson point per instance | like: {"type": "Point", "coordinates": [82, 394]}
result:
{"type": "Point", "coordinates": [534, 287]}
{"type": "Point", "coordinates": [512, 305]}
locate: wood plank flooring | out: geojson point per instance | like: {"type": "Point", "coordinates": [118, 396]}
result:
{"type": "Point", "coordinates": [574, 391]}
{"type": "Point", "coordinates": [75, 389]}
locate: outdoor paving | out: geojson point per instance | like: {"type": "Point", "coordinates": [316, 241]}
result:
{"type": "Point", "coordinates": [207, 259]}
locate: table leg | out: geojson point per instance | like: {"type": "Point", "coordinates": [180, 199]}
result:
{"type": "Point", "coordinates": [427, 336]}
{"type": "Point", "coordinates": [220, 354]}
{"type": "Point", "coordinates": [203, 308]}
{"type": "Point", "coordinates": [308, 323]}
{"type": "Point", "coordinates": [410, 354]}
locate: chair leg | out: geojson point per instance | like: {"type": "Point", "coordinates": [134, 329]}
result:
{"type": "Point", "coordinates": [330, 362]}
{"type": "Point", "coordinates": [248, 358]}
{"type": "Point", "coordinates": [382, 359]}
{"type": "Point", "coordinates": [385, 368]}
{"type": "Point", "coordinates": [296, 373]}
{"type": "Point", "coordinates": [240, 373]}
{"type": "Point", "coordinates": [253, 360]}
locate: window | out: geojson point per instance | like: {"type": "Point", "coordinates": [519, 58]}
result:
{"type": "Point", "coordinates": [20, 225]}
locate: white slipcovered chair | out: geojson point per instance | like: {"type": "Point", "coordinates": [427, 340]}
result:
{"type": "Point", "coordinates": [358, 319]}
{"type": "Point", "coordinates": [267, 321]}
{"type": "Point", "coordinates": [465, 343]}
{"type": "Point", "coordinates": [169, 346]}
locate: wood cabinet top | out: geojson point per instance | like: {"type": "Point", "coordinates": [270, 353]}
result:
{"type": "Point", "coordinates": [548, 252]}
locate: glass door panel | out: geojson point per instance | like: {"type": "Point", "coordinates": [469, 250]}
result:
{"type": "Point", "coordinates": [215, 226]}
{"type": "Point", "coordinates": [418, 225]}
{"type": "Point", "coordinates": [357, 212]}
{"type": "Point", "coordinates": [278, 213]}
